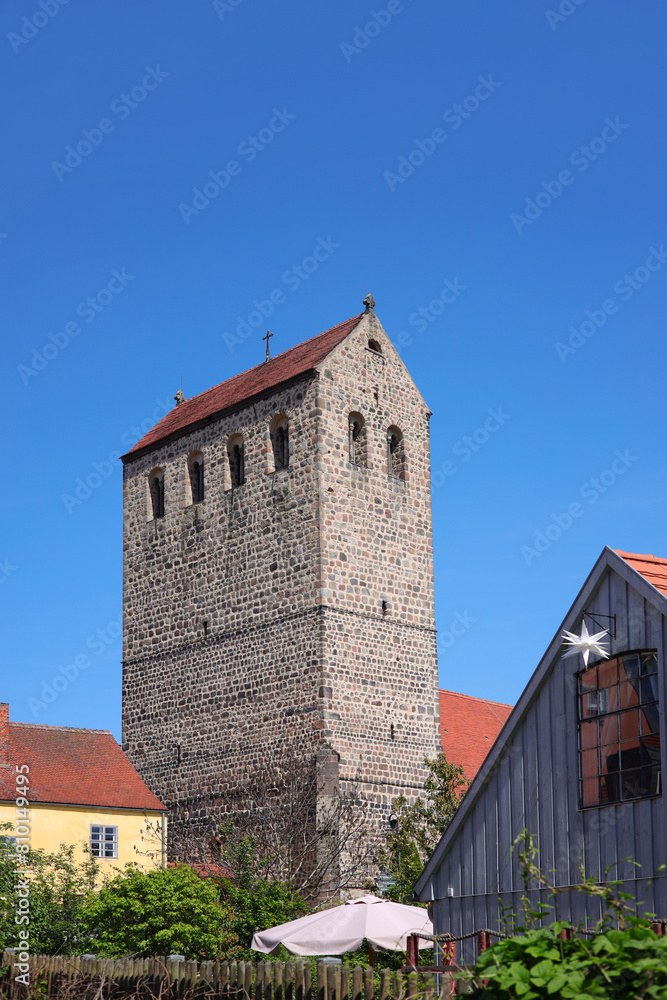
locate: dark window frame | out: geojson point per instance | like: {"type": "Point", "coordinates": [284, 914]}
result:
{"type": "Point", "coordinates": [624, 772]}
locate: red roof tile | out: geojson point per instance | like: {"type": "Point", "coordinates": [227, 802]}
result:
{"type": "Point", "coordinates": [74, 766]}
{"type": "Point", "coordinates": [468, 728]}
{"type": "Point", "coordinates": [652, 568]}
{"type": "Point", "coordinates": [205, 869]}
{"type": "Point", "coordinates": [227, 395]}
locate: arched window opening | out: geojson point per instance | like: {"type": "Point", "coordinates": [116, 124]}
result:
{"type": "Point", "coordinates": [236, 457]}
{"type": "Point", "coordinates": [374, 346]}
{"type": "Point", "coordinates": [156, 487]}
{"type": "Point", "coordinates": [280, 442]}
{"type": "Point", "coordinates": [395, 453]}
{"type": "Point", "coordinates": [357, 439]}
{"type": "Point", "coordinates": [196, 473]}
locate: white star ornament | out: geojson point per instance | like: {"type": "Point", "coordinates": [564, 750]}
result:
{"type": "Point", "coordinates": [585, 643]}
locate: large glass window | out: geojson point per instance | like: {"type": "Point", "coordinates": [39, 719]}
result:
{"type": "Point", "coordinates": [619, 730]}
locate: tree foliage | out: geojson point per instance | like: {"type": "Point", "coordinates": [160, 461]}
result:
{"type": "Point", "coordinates": [256, 899]}
{"type": "Point", "coordinates": [419, 827]}
{"type": "Point", "coordinates": [169, 910]}
{"type": "Point", "coordinates": [59, 885]}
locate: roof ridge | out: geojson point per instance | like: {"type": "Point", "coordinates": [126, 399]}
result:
{"type": "Point", "coordinates": [277, 357]}
{"type": "Point", "coordinates": [238, 390]}
{"type": "Point", "coordinates": [68, 729]}
{"type": "Point", "coordinates": [474, 697]}
{"type": "Point", "coordinates": [641, 555]}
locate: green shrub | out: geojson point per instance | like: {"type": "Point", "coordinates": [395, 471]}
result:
{"type": "Point", "coordinates": [621, 957]}
{"type": "Point", "coordinates": [420, 826]}
{"type": "Point", "coordinates": [623, 964]}
{"type": "Point", "coordinates": [171, 910]}
{"type": "Point", "coordinates": [257, 901]}
{"type": "Point", "coordinates": [58, 888]}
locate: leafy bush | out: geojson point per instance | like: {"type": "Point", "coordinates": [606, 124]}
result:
{"type": "Point", "coordinates": [256, 900]}
{"type": "Point", "coordinates": [624, 964]}
{"type": "Point", "coordinates": [59, 886]}
{"type": "Point", "coordinates": [621, 957]}
{"type": "Point", "coordinates": [170, 910]}
{"type": "Point", "coordinates": [420, 826]}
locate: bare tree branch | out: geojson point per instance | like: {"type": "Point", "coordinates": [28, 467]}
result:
{"type": "Point", "coordinates": [316, 838]}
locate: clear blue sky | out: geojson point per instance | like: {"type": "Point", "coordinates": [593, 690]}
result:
{"type": "Point", "coordinates": [170, 93]}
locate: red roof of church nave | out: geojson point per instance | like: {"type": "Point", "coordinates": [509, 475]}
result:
{"type": "Point", "coordinates": [236, 390]}
{"type": "Point", "coordinates": [468, 728]}
{"type": "Point", "coordinates": [84, 767]}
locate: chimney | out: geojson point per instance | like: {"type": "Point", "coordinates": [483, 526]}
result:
{"type": "Point", "coordinates": [4, 734]}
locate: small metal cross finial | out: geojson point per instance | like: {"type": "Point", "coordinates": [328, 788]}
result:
{"type": "Point", "coordinates": [267, 344]}
{"type": "Point", "coordinates": [179, 397]}
{"type": "Point", "coordinates": [369, 302]}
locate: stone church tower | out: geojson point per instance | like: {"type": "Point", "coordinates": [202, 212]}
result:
{"type": "Point", "coordinates": [278, 576]}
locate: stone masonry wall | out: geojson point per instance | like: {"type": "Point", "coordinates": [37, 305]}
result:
{"type": "Point", "coordinates": [380, 660]}
{"type": "Point", "coordinates": [290, 572]}
{"type": "Point", "coordinates": [201, 702]}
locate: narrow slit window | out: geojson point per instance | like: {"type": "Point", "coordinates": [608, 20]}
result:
{"type": "Point", "coordinates": [395, 453]}
{"type": "Point", "coordinates": [197, 481]}
{"type": "Point", "coordinates": [156, 485]}
{"type": "Point", "coordinates": [196, 473]}
{"type": "Point", "coordinates": [236, 456]}
{"type": "Point", "coordinates": [357, 439]}
{"type": "Point", "coordinates": [280, 443]}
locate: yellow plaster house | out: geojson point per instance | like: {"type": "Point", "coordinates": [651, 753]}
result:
{"type": "Point", "coordinates": [80, 789]}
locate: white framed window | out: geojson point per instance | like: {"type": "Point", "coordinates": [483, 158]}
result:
{"type": "Point", "coordinates": [104, 841]}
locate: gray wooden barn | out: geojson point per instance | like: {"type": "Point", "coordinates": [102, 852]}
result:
{"type": "Point", "coordinates": [578, 763]}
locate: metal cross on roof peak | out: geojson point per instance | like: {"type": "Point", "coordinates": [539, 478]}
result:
{"type": "Point", "coordinates": [268, 356]}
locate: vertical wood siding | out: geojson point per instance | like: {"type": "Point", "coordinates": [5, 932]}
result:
{"type": "Point", "coordinates": [534, 784]}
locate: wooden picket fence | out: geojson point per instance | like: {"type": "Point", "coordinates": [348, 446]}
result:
{"type": "Point", "coordinates": [168, 978]}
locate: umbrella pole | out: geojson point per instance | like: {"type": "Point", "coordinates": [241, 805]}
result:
{"type": "Point", "coordinates": [370, 956]}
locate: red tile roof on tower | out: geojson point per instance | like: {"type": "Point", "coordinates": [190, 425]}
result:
{"type": "Point", "coordinates": [236, 390]}
{"type": "Point", "coordinates": [84, 767]}
{"type": "Point", "coordinates": [468, 728]}
{"type": "Point", "coordinates": [652, 568]}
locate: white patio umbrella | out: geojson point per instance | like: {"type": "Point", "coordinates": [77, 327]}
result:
{"type": "Point", "coordinates": [385, 925]}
